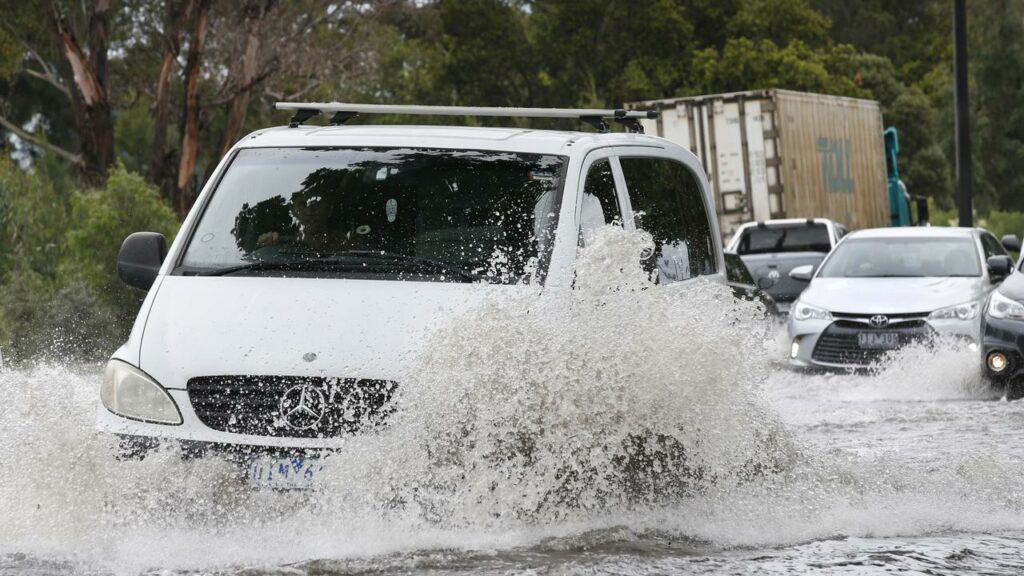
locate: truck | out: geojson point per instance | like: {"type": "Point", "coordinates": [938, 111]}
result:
{"type": "Point", "coordinates": [774, 154]}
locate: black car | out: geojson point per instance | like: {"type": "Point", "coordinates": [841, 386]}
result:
{"type": "Point", "coordinates": [1003, 331]}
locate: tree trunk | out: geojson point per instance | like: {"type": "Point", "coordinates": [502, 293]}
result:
{"type": "Point", "coordinates": [160, 163]}
{"type": "Point", "coordinates": [90, 105]}
{"type": "Point", "coordinates": [255, 14]}
{"type": "Point", "coordinates": [190, 130]}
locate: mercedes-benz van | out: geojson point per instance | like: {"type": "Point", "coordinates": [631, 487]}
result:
{"type": "Point", "coordinates": [317, 259]}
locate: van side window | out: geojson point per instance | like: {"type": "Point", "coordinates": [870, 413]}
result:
{"type": "Point", "coordinates": [600, 202]}
{"type": "Point", "coordinates": [669, 204]}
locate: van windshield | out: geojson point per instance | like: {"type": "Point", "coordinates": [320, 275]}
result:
{"type": "Point", "coordinates": [403, 213]}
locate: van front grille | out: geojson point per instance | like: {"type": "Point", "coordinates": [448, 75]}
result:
{"type": "Point", "coordinates": [290, 406]}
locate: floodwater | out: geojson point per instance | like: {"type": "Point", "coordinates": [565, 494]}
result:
{"type": "Point", "coordinates": [634, 431]}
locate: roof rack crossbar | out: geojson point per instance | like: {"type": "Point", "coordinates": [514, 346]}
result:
{"type": "Point", "coordinates": [344, 111]}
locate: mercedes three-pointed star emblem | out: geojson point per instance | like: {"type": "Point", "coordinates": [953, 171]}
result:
{"type": "Point", "coordinates": [303, 407]}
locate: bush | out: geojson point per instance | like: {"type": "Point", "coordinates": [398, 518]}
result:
{"type": "Point", "coordinates": [998, 222]}
{"type": "Point", "coordinates": [59, 292]}
{"type": "Point", "coordinates": [33, 220]}
{"type": "Point", "coordinates": [100, 221]}
{"type": "Point", "coordinates": [55, 319]}
{"type": "Point", "coordinates": [1001, 223]}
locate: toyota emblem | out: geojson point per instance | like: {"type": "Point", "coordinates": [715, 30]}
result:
{"type": "Point", "coordinates": [879, 321]}
{"type": "Point", "coordinates": [303, 407]}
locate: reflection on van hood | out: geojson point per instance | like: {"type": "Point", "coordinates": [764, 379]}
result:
{"type": "Point", "coordinates": [201, 326]}
{"type": "Point", "coordinates": [891, 295]}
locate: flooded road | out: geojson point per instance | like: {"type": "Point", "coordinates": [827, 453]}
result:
{"type": "Point", "coordinates": [917, 470]}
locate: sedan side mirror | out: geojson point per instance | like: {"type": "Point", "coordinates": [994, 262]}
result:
{"type": "Point", "coordinates": [999, 267]}
{"type": "Point", "coordinates": [1011, 243]}
{"type": "Point", "coordinates": [139, 260]}
{"type": "Point", "coordinates": [802, 273]}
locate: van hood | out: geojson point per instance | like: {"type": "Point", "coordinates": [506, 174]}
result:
{"type": "Point", "coordinates": [219, 326]}
{"type": "Point", "coordinates": [891, 295]}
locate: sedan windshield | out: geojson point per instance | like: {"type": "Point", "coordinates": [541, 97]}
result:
{"type": "Point", "coordinates": [407, 214]}
{"type": "Point", "coordinates": [903, 258]}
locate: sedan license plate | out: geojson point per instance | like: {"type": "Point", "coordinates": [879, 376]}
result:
{"type": "Point", "coordinates": [284, 473]}
{"type": "Point", "coordinates": [878, 340]}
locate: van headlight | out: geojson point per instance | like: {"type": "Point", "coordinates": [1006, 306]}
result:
{"type": "Point", "coordinates": [966, 311]}
{"type": "Point", "coordinates": [129, 392]}
{"type": "Point", "coordinates": [807, 312]}
{"type": "Point", "coordinates": [1005, 309]}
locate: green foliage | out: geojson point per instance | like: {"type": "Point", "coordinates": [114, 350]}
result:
{"type": "Point", "coordinates": [745, 64]}
{"type": "Point", "coordinates": [998, 222]}
{"type": "Point", "coordinates": [33, 217]}
{"type": "Point", "coordinates": [780, 21]}
{"type": "Point", "coordinates": [1002, 222]}
{"type": "Point", "coordinates": [133, 136]}
{"type": "Point", "coordinates": [58, 250]}
{"type": "Point", "coordinates": [64, 319]}
{"type": "Point", "coordinates": [599, 52]}
{"type": "Point", "coordinates": [100, 221]}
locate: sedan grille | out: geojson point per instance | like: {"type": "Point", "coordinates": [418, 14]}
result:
{"type": "Point", "coordinates": [840, 344]}
{"type": "Point", "coordinates": [290, 406]}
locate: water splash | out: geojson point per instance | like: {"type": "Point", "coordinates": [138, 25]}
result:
{"type": "Point", "coordinates": [620, 393]}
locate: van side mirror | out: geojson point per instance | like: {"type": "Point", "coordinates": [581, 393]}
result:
{"type": "Point", "coordinates": [1011, 243]}
{"type": "Point", "coordinates": [140, 258]}
{"type": "Point", "coordinates": [802, 273]}
{"type": "Point", "coordinates": [999, 267]}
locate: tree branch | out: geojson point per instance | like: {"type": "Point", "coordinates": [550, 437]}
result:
{"type": "Point", "coordinates": [51, 80]}
{"type": "Point", "coordinates": [48, 74]}
{"type": "Point", "coordinates": [244, 87]}
{"type": "Point", "coordinates": [75, 159]}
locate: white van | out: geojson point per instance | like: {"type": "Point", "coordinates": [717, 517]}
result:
{"type": "Point", "coordinates": [317, 258]}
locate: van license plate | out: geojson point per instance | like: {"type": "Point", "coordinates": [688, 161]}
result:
{"type": "Point", "coordinates": [878, 340]}
{"type": "Point", "coordinates": [284, 473]}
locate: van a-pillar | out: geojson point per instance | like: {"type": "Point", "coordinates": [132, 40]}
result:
{"type": "Point", "coordinates": [964, 171]}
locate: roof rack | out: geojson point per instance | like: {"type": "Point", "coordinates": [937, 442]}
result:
{"type": "Point", "coordinates": [596, 117]}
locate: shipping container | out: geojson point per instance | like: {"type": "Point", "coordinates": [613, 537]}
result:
{"type": "Point", "coordinates": [783, 154]}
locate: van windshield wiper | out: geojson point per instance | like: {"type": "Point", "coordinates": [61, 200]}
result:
{"type": "Point", "coordinates": [420, 262]}
{"type": "Point", "coordinates": [352, 258]}
{"type": "Point", "coordinates": [310, 264]}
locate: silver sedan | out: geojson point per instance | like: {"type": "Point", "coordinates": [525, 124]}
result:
{"type": "Point", "coordinates": [885, 288]}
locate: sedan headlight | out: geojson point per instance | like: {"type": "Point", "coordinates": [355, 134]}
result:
{"type": "Point", "coordinates": [807, 312]}
{"type": "Point", "coordinates": [966, 311]}
{"type": "Point", "coordinates": [1005, 309]}
{"type": "Point", "coordinates": [129, 392]}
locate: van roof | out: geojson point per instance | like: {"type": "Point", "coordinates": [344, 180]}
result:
{"type": "Point", "coordinates": [455, 137]}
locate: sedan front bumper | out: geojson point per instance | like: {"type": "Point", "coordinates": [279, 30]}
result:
{"type": "Point", "coordinates": [835, 344]}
